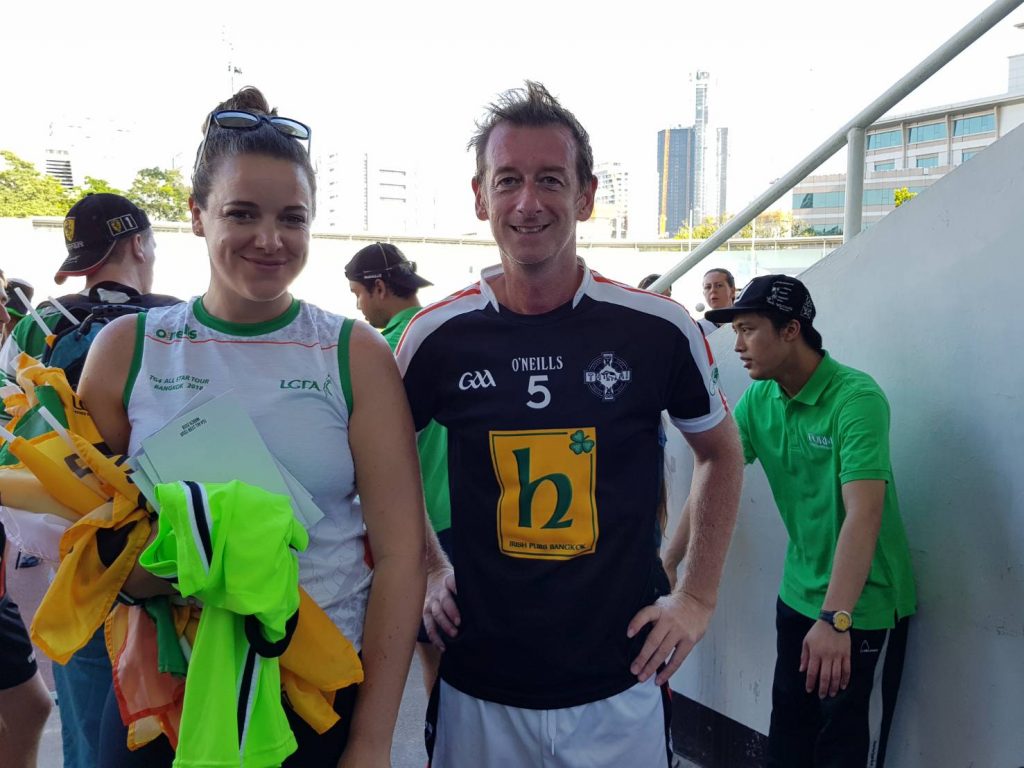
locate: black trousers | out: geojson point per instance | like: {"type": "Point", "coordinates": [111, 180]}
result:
{"type": "Point", "coordinates": [850, 730]}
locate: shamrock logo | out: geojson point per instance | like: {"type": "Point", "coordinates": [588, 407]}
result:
{"type": "Point", "coordinates": [580, 443]}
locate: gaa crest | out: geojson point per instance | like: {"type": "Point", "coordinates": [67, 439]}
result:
{"type": "Point", "coordinates": [607, 376]}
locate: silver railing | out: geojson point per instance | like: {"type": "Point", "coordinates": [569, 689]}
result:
{"type": "Point", "coordinates": [851, 133]}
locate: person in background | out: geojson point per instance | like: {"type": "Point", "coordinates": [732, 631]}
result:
{"type": "Point", "coordinates": [649, 280]}
{"type": "Point", "coordinates": [719, 288]}
{"type": "Point", "coordinates": [16, 308]}
{"type": "Point", "coordinates": [24, 701]}
{"type": "Point", "coordinates": [385, 285]}
{"type": "Point", "coordinates": [110, 243]}
{"type": "Point", "coordinates": [821, 432]}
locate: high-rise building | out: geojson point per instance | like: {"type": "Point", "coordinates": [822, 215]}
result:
{"type": "Point", "coordinates": [58, 165]}
{"type": "Point", "coordinates": [700, 145]}
{"type": "Point", "coordinates": [675, 179]}
{"type": "Point", "coordinates": [690, 187]}
{"type": "Point", "coordinates": [611, 203]}
{"type": "Point", "coordinates": [722, 146]}
{"type": "Point", "coordinates": [370, 192]}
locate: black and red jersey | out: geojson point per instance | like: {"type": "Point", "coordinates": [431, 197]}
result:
{"type": "Point", "coordinates": [555, 468]}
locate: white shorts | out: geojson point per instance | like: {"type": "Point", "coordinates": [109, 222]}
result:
{"type": "Point", "coordinates": [628, 729]}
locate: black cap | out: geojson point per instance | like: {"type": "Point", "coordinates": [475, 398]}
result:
{"type": "Point", "coordinates": [92, 228]}
{"type": "Point", "coordinates": [15, 305]}
{"type": "Point", "coordinates": [781, 293]}
{"type": "Point", "coordinates": [385, 262]}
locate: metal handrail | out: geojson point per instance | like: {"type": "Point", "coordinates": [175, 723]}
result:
{"type": "Point", "coordinates": [852, 132]}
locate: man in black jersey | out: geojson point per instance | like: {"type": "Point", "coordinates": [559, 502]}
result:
{"type": "Point", "coordinates": [551, 381]}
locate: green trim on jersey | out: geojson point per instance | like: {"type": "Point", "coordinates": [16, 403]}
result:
{"type": "Point", "coordinates": [245, 329]}
{"type": "Point", "coordinates": [834, 431]}
{"type": "Point", "coordinates": [344, 364]}
{"type": "Point", "coordinates": [133, 372]}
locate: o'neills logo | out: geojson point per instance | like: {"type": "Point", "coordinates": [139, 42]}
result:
{"type": "Point", "coordinates": [182, 333]}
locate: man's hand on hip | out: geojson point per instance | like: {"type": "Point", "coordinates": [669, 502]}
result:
{"type": "Point", "coordinates": [440, 613]}
{"type": "Point", "coordinates": [679, 622]}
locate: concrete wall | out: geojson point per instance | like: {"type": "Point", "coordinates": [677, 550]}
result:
{"type": "Point", "coordinates": [34, 249]}
{"type": "Point", "coordinates": [924, 301]}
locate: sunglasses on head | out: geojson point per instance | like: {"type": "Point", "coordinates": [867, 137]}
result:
{"type": "Point", "coordinates": [241, 120]}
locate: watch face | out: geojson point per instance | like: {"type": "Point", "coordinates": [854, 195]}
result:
{"type": "Point", "coordinates": [842, 621]}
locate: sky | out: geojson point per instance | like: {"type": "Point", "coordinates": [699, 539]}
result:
{"type": "Point", "coordinates": [411, 77]}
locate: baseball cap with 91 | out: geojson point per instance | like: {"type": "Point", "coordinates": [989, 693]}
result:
{"type": "Point", "coordinates": [92, 228]}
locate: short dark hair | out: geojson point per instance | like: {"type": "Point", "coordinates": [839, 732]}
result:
{"type": "Point", "coordinates": [401, 291]}
{"type": "Point", "coordinates": [264, 139]}
{"type": "Point", "coordinates": [532, 106]}
{"type": "Point", "coordinates": [807, 331]}
{"type": "Point", "coordinates": [728, 275]}
{"type": "Point", "coordinates": [647, 281]}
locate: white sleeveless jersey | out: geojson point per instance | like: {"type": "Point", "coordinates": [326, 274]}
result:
{"type": "Point", "coordinates": [292, 376]}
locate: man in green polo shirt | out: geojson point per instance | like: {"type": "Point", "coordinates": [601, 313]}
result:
{"type": "Point", "coordinates": [385, 284]}
{"type": "Point", "coordinates": [821, 432]}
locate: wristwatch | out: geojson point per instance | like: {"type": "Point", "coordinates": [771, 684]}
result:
{"type": "Point", "coordinates": [841, 621]}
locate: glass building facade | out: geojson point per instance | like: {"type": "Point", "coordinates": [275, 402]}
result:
{"type": "Point", "coordinates": [676, 180]}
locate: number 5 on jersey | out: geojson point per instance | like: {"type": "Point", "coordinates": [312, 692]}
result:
{"type": "Point", "coordinates": [547, 509]}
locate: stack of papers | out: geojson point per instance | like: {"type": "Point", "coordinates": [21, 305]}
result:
{"type": "Point", "coordinates": [216, 442]}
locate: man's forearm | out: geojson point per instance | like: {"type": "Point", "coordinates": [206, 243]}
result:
{"type": "Point", "coordinates": [855, 547]}
{"type": "Point", "coordinates": [435, 557]}
{"type": "Point", "coordinates": [676, 548]}
{"type": "Point", "coordinates": [713, 503]}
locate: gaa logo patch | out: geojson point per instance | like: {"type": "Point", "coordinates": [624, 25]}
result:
{"type": "Point", "coordinates": [69, 230]}
{"type": "Point", "coordinates": [607, 376]}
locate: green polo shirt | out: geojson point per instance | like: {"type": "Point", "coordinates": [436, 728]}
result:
{"type": "Point", "coordinates": [396, 326]}
{"type": "Point", "coordinates": [432, 442]}
{"type": "Point", "coordinates": [834, 431]}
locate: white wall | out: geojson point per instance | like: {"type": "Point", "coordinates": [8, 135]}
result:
{"type": "Point", "coordinates": [925, 301]}
{"type": "Point", "coordinates": [33, 250]}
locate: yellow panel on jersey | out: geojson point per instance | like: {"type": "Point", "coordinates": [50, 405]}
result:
{"type": "Point", "coordinates": [547, 509]}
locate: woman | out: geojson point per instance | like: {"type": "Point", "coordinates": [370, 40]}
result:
{"type": "Point", "coordinates": [253, 201]}
{"type": "Point", "coordinates": [719, 293]}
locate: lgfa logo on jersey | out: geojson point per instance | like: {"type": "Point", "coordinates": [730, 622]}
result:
{"type": "Point", "coordinates": [476, 380]}
{"type": "Point", "coordinates": [326, 386]}
{"type": "Point", "coordinates": [182, 333]}
{"type": "Point", "coordinates": [607, 376]}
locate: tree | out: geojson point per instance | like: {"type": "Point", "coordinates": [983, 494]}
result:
{"type": "Point", "coordinates": [24, 191]}
{"type": "Point", "coordinates": [161, 194]}
{"type": "Point", "coordinates": [902, 195]}
{"type": "Point", "coordinates": [773, 224]}
{"type": "Point", "coordinates": [96, 187]}
{"type": "Point", "coordinates": [702, 231]}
